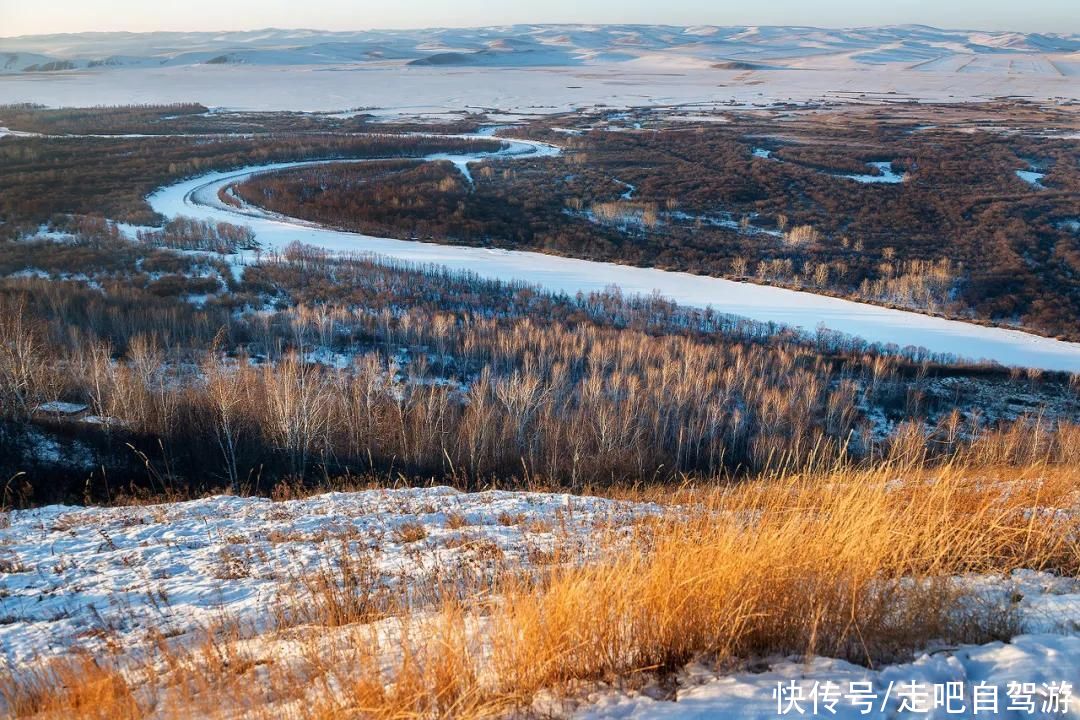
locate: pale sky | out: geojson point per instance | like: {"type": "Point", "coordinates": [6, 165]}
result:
{"type": "Point", "coordinates": [24, 17]}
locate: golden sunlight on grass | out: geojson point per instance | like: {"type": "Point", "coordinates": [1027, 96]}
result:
{"type": "Point", "coordinates": [862, 565]}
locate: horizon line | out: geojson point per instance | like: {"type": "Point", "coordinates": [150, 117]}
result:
{"type": "Point", "coordinates": [431, 28]}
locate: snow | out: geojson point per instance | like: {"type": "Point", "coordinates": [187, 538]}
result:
{"type": "Point", "coordinates": [1045, 653]}
{"type": "Point", "coordinates": [530, 69]}
{"type": "Point", "coordinates": [724, 219]}
{"type": "Point", "coordinates": [1032, 178]}
{"type": "Point", "coordinates": [884, 169]}
{"type": "Point", "coordinates": [329, 358]}
{"type": "Point", "coordinates": [459, 162]}
{"type": "Point", "coordinates": [49, 450]}
{"type": "Point", "coordinates": [885, 174]}
{"type": "Point", "coordinates": [198, 300]}
{"type": "Point", "coordinates": [31, 272]}
{"type": "Point", "coordinates": [392, 90]}
{"type": "Point", "coordinates": [92, 578]}
{"type": "Point", "coordinates": [197, 197]}
{"type": "Point", "coordinates": [917, 48]}
{"type": "Point", "coordinates": [699, 118]}
{"type": "Point", "coordinates": [630, 189]}
{"type": "Point", "coordinates": [73, 577]}
{"type": "Point", "coordinates": [1040, 659]}
{"type": "Point", "coordinates": [101, 420]}
{"type": "Point", "coordinates": [5, 132]}
{"type": "Point", "coordinates": [56, 407]}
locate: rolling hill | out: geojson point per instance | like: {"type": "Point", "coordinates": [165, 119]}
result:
{"type": "Point", "coordinates": [914, 46]}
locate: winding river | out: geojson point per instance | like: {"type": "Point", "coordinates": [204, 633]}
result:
{"type": "Point", "coordinates": [198, 198]}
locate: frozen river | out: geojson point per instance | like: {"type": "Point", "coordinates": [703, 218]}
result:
{"type": "Point", "coordinates": [197, 198]}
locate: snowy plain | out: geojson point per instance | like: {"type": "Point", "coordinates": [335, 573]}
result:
{"type": "Point", "coordinates": [530, 69]}
{"type": "Point", "coordinates": [197, 197]}
{"type": "Point", "coordinates": [393, 90]}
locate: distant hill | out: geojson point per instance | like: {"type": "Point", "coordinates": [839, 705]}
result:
{"type": "Point", "coordinates": [745, 47]}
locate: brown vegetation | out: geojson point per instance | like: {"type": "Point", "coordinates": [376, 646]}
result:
{"type": "Point", "coordinates": [45, 179]}
{"type": "Point", "coordinates": [363, 368]}
{"type": "Point", "coordinates": [961, 236]}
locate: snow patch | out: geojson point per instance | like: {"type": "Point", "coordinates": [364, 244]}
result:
{"type": "Point", "coordinates": [1032, 178]}
{"type": "Point", "coordinates": [885, 174]}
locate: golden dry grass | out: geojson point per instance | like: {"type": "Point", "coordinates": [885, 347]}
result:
{"type": "Point", "coordinates": [854, 564]}
{"type": "Point", "coordinates": [77, 688]}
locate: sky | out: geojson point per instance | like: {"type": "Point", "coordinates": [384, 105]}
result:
{"type": "Point", "coordinates": [27, 17]}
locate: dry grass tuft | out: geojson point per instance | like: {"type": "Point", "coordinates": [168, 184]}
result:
{"type": "Point", "coordinates": [410, 532]}
{"type": "Point", "coordinates": [80, 687]}
{"type": "Point", "coordinates": [345, 589]}
{"type": "Point", "coordinates": [456, 520]}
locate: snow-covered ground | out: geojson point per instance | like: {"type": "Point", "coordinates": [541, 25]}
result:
{"type": "Point", "coordinates": [918, 47]}
{"type": "Point", "coordinates": [7, 132]}
{"type": "Point", "coordinates": [401, 90]}
{"type": "Point", "coordinates": [1032, 177]}
{"type": "Point", "coordinates": [197, 197]}
{"type": "Point", "coordinates": [86, 577]}
{"type": "Point", "coordinates": [884, 174]}
{"type": "Point", "coordinates": [94, 578]}
{"type": "Point", "coordinates": [1021, 678]}
{"type": "Point", "coordinates": [536, 68]}
{"type": "Point", "coordinates": [1046, 655]}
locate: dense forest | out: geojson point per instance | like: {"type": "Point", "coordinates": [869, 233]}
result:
{"type": "Point", "coordinates": [182, 375]}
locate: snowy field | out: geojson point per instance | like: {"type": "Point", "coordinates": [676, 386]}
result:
{"type": "Point", "coordinates": [393, 90]}
{"type": "Point", "coordinates": [90, 577]}
{"type": "Point", "coordinates": [197, 198]}
{"type": "Point", "coordinates": [530, 69]}
{"type": "Point", "coordinates": [95, 578]}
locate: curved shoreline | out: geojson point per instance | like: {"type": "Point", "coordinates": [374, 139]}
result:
{"type": "Point", "coordinates": [197, 197]}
